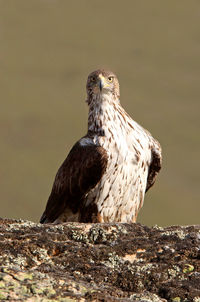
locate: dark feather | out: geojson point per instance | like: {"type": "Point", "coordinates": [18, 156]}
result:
{"type": "Point", "coordinates": [79, 173]}
{"type": "Point", "coordinates": [154, 168]}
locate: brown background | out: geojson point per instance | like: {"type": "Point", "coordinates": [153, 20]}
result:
{"type": "Point", "coordinates": [47, 49]}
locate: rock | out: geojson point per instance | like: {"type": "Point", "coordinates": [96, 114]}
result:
{"type": "Point", "coordinates": [98, 262]}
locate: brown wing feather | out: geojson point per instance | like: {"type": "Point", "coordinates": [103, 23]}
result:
{"type": "Point", "coordinates": [80, 172]}
{"type": "Point", "coordinates": [154, 168]}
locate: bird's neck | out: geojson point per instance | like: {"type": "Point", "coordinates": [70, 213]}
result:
{"type": "Point", "coordinates": [103, 111]}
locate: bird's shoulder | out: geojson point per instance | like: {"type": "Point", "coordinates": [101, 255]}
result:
{"type": "Point", "coordinates": [86, 158]}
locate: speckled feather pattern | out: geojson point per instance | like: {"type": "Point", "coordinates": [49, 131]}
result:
{"type": "Point", "coordinates": [120, 193]}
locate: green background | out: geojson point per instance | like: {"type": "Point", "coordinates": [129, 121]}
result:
{"type": "Point", "coordinates": [47, 49]}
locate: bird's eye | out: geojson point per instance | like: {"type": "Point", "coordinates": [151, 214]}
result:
{"type": "Point", "coordinates": [110, 79]}
{"type": "Point", "coordinates": [93, 79]}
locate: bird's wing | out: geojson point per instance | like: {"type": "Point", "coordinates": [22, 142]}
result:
{"type": "Point", "coordinates": [155, 165]}
{"type": "Point", "coordinates": [80, 172]}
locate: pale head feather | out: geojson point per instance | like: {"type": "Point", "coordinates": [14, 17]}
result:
{"type": "Point", "coordinates": [102, 82]}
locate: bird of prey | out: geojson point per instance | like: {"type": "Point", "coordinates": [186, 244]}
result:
{"type": "Point", "coordinates": [107, 172]}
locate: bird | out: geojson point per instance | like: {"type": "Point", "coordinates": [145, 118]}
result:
{"type": "Point", "coordinates": [108, 171]}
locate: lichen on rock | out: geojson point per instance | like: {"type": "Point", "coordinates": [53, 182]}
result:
{"type": "Point", "coordinates": [98, 262]}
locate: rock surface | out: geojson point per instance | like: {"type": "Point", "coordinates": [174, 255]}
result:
{"type": "Point", "coordinates": [98, 262]}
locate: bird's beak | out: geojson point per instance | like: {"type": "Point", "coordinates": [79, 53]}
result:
{"type": "Point", "coordinates": [102, 82]}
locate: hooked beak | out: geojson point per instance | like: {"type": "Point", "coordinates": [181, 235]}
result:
{"type": "Point", "coordinates": [100, 85]}
{"type": "Point", "coordinates": [102, 82]}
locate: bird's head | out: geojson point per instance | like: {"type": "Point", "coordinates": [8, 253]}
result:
{"type": "Point", "coordinates": [102, 82]}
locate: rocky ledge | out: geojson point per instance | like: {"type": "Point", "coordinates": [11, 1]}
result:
{"type": "Point", "coordinates": [98, 262]}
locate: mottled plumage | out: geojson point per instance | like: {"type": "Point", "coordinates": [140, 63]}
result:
{"type": "Point", "coordinates": [107, 172]}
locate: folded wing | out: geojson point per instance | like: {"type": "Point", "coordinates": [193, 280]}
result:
{"type": "Point", "coordinates": [155, 166]}
{"type": "Point", "coordinates": [79, 173]}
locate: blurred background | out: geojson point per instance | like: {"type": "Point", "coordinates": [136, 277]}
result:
{"type": "Point", "coordinates": [47, 49]}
